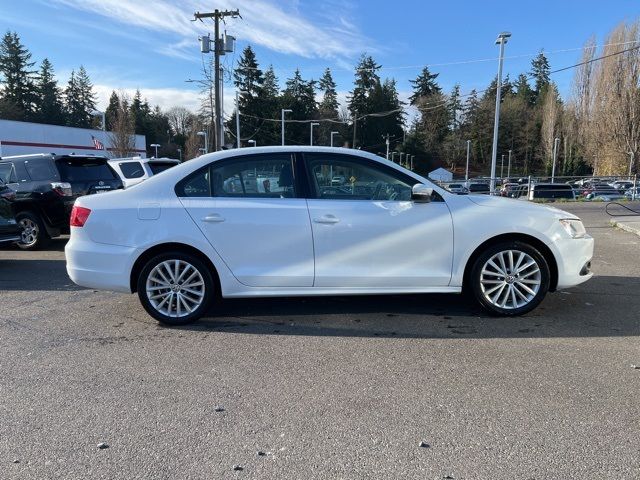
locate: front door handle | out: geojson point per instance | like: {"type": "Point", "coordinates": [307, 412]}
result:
{"type": "Point", "coordinates": [327, 219]}
{"type": "Point", "coordinates": [213, 218]}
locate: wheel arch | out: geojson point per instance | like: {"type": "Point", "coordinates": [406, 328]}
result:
{"type": "Point", "coordinates": [522, 237]}
{"type": "Point", "coordinates": [171, 247]}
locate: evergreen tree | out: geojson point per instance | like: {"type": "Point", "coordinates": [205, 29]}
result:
{"type": "Point", "coordinates": [455, 107]}
{"type": "Point", "coordinates": [366, 81]}
{"type": "Point", "coordinates": [329, 104]}
{"type": "Point", "coordinates": [540, 72]}
{"type": "Point", "coordinates": [299, 96]}
{"type": "Point", "coordinates": [80, 100]}
{"type": "Point", "coordinates": [247, 77]}
{"type": "Point", "coordinates": [49, 105]}
{"type": "Point", "coordinates": [17, 98]}
{"type": "Point", "coordinates": [424, 86]}
{"type": "Point", "coordinates": [523, 89]}
{"type": "Point", "coordinates": [111, 112]}
{"type": "Point", "coordinates": [253, 99]}
{"type": "Point", "coordinates": [140, 111]}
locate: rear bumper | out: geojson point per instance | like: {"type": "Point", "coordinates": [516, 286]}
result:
{"type": "Point", "coordinates": [100, 266]}
{"type": "Point", "coordinates": [574, 263]}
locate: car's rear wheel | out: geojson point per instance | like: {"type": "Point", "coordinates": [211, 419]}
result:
{"type": "Point", "coordinates": [33, 234]}
{"type": "Point", "coordinates": [175, 288]}
{"type": "Point", "coordinates": [510, 278]}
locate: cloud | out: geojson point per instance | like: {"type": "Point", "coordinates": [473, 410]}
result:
{"type": "Point", "coordinates": [278, 26]}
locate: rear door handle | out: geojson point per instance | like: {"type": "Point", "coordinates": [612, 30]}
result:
{"type": "Point", "coordinates": [213, 218]}
{"type": "Point", "coordinates": [327, 219]}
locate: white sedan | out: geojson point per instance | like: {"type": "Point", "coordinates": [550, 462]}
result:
{"type": "Point", "coordinates": [270, 221]}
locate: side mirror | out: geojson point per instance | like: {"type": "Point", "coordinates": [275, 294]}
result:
{"type": "Point", "coordinates": [420, 193]}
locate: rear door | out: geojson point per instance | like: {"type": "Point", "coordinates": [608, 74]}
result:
{"type": "Point", "coordinates": [88, 175]}
{"type": "Point", "coordinates": [250, 210]}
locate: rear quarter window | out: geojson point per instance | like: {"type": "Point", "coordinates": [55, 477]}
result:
{"type": "Point", "coordinates": [40, 170]}
{"type": "Point", "coordinates": [157, 167]}
{"type": "Point", "coordinates": [131, 169]}
{"type": "Point", "coordinates": [84, 170]}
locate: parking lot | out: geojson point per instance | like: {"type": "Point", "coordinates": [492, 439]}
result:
{"type": "Point", "coordinates": [322, 388]}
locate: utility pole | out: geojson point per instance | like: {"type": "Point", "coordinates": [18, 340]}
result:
{"type": "Point", "coordinates": [387, 142]}
{"type": "Point", "coordinates": [282, 112]}
{"type": "Point", "coordinates": [237, 121]}
{"type": "Point", "coordinates": [355, 121]}
{"type": "Point", "coordinates": [509, 167]}
{"type": "Point", "coordinates": [466, 174]}
{"type": "Point", "coordinates": [502, 40]}
{"type": "Point", "coordinates": [556, 141]}
{"type": "Point", "coordinates": [218, 49]}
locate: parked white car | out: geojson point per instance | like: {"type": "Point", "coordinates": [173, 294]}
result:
{"type": "Point", "coordinates": [134, 170]}
{"type": "Point", "coordinates": [271, 222]}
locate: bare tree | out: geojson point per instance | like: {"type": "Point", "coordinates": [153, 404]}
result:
{"type": "Point", "coordinates": [122, 135]}
{"type": "Point", "coordinates": [180, 120]}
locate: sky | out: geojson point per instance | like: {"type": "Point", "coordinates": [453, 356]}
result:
{"type": "Point", "coordinates": [152, 45]}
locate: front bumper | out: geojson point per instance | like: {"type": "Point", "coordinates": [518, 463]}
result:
{"type": "Point", "coordinates": [574, 261]}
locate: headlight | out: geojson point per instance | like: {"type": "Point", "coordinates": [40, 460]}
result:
{"type": "Point", "coordinates": [573, 227]}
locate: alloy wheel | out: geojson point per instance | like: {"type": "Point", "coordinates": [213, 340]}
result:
{"type": "Point", "coordinates": [175, 288]}
{"type": "Point", "coordinates": [510, 279]}
{"type": "Point", "coordinates": [29, 233]}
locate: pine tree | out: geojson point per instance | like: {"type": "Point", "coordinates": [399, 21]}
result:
{"type": "Point", "coordinates": [49, 103]}
{"type": "Point", "coordinates": [523, 89]}
{"type": "Point", "coordinates": [365, 83]}
{"type": "Point", "coordinates": [299, 96]}
{"type": "Point", "coordinates": [329, 104]}
{"type": "Point", "coordinates": [17, 100]}
{"type": "Point", "coordinates": [540, 72]}
{"type": "Point", "coordinates": [455, 107]}
{"type": "Point", "coordinates": [80, 100]}
{"type": "Point", "coordinates": [247, 77]}
{"type": "Point", "coordinates": [112, 110]}
{"type": "Point", "coordinates": [424, 86]}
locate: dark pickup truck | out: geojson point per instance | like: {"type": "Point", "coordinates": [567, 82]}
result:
{"type": "Point", "coordinates": [46, 186]}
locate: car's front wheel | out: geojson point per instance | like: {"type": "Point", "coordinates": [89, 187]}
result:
{"type": "Point", "coordinates": [510, 278]}
{"type": "Point", "coordinates": [175, 288]}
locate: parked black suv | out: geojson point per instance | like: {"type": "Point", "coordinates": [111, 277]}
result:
{"type": "Point", "coordinates": [9, 230]}
{"type": "Point", "coordinates": [46, 186]}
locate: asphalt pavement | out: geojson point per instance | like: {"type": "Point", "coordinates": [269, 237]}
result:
{"type": "Point", "coordinates": [322, 388]}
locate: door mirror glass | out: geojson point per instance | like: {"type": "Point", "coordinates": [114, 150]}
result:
{"type": "Point", "coordinates": [420, 193]}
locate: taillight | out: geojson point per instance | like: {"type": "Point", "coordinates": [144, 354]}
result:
{"type": "Point", "coordinates": [62, 188]}
{"type": "Point", "coordinates": [79, 216]}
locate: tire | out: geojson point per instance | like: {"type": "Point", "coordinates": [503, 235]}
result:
{"type": "Point", "coordinates": [170, 304]}
{"type": "Point", "coordinates": [502, 292]}
{"type": "Point", "coordinates": [34, 235]}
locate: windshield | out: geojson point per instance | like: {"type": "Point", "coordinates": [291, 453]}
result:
{"type": "Point", "coordinates": [84, 170]}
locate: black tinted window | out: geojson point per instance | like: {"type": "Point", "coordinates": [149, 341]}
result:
{"type": "Point", "coordinates": [40, 170]}
{"type": "Point", "coordinates": [131, 169]}
{"type": "Point", "coordinates": [197, 184]}
{"type": "Point", "coordinates": [157, 167]}
{"type": "Point", "coordinates": [85, 170]}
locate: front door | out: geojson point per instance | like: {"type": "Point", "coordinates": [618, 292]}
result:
{"type": "Point", "coordinates": [367, 232]}
{"type": "Point", "coordinates": [249, 210]}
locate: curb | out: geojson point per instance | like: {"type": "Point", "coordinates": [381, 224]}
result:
{"type": "Point", "coordinates": [635, 228]}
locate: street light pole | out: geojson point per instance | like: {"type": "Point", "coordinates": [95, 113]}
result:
{"type": "Point", "coordinates": [312, 124]}
{"type": "Point", "coordinates": [501, 167]}
{"type": "Point", "coordinates": [631, 161]}
{"type": "Point", "coordinates": [284, 110]}
{"type": "Point", "coordinates": [237, 121]}
{"type": "Point", "coordinates": [509, 167]}
{"type": "Point", "coordinates": [466, 173]}
{"type": "Point", "coordinates": [393, 157]}
{"type": "Point", "coordinates": [502, 40]}
{"type": "Point", "coordinates": [156, 145]}
{"type": "Point", "coordinates": [180, 154]}
{"type": "Point", "coordinates": [332, 134]}
{"type": "Point", "coordinates": [206, 143]}
{"type": "Point", "coordinates": [387, 142]}
{"type": "Point", "coordinates": [556, 141]}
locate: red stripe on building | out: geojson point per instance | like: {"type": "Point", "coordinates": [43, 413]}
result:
{"type": "Point", "coordinates": [54, 145]}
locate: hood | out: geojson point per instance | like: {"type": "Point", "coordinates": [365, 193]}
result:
{"type": "Point", "coordinates": [514, 205]}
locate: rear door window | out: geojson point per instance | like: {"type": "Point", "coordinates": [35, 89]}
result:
{"type": "Point", "coordinates": [40, 170]}
{"type": "Point", "coordinates": [84, 170]}
{"type": "Point", "coordinates": [131, 169]}
{"type": "Point", "coordinates": [7, 173]}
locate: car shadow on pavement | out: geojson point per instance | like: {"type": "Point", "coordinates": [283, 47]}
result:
{"type": "Point", "coordinates": [605, 306]}
{"type": "Point", "coordinates": [29, 274]}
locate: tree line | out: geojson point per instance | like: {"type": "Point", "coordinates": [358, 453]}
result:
{"type": "Point", "coordinates": [597, 125]}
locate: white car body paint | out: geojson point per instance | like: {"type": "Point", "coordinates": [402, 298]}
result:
{"type": "Point", "coordinates": [294, 246]}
